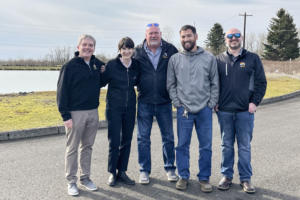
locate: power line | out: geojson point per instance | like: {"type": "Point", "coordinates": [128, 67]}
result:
{"type": "Point", "coordinates": [245, 15]}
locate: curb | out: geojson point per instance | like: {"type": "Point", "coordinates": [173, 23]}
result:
{"type": "Point", "coordinates": [38, 132]}
{"type": "Point", "coordinates": [59, 130]}
{"type": "Point", "coordinates": [280, 98]}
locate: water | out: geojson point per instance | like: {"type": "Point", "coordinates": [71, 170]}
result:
{"type": "Point", "coordinates": [14, 81]}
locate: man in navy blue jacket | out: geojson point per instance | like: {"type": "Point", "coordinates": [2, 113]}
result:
{"type": "Point", "coordinates": [242, 87]}
{"type": "Point", "coordinates": [153, 100]}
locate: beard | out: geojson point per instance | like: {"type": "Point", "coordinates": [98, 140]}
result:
{"type": "Point", "coordinates": [154, 43]}
{"type": "Point", "coordinates": [235, 47]}
{"type": "Point", "coordinates": [190, 47]}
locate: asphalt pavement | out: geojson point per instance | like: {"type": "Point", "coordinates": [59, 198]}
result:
{"type": "Point", "coordinates": [34, 168]}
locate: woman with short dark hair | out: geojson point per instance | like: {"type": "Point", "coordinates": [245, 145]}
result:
{"type": "Point", "coordinates": [121, 75]}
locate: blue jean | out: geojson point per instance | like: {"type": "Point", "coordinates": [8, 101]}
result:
{"type": "Point", "coordinates": [237, 126]}
{"type": "Point", "coordinates": [163, 114]}
{"type": "Point", "coordinates": [203, 125]}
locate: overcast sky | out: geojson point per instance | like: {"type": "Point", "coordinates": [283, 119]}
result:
{"type": "Point", "coordinates": [31, 28]}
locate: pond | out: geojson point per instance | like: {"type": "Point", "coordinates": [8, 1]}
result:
{"type": "Point", "coordinates": [15, 81]}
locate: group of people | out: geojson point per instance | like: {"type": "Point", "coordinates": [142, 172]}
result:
{"type": "Point", "coordinates": [193, 80]}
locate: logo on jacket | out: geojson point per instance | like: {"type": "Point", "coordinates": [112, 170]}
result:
{"type": "Point", "coordinates": [242, 65]}
{"type": "Point", "coordinates": [95, 67]}
{"type": "Point", "coordinates": [165, 55]}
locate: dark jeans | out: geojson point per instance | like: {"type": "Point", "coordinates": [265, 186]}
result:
{"type": "Point", "coordinates": [203, 125]}
{"type": "Point", "coordinates": [237, 126]}
{"type": "Point", "coordinates": [120, 130]}
{"type": "Point", "coordinates": [163, 114]}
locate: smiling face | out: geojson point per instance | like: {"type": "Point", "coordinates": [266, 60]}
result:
{"type": "Point", "coordinates": [233, 43]}
{"type": "Point", "coordinates": [153, 36]}
{"type": "Point", "coordinates": [86, 48]}
{"type": "Point", "coordinates": [188, 40]}
{"type": "Point", "coordinates": [126, 48]}
{"type": "Point", "coordinates": [126, 53]}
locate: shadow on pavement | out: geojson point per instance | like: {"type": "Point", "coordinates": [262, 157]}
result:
{"type": "Point", "coordinates": [164, 190]}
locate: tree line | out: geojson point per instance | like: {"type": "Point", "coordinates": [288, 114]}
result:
{"type": "Point", "coordinates": [280, 44]}
{"type": "Point", "coordinates": [56, 57]}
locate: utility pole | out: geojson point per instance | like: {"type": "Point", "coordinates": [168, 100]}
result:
{"type": "Point", "coordinates": [245, 15]}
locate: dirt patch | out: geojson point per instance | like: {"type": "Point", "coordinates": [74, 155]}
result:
{"type": "Point", "coordinates": [282, 67]}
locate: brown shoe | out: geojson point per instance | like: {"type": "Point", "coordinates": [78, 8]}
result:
{"type": "Point", "coordinates": [205, 186]}
{"type": "Point", "coordinates": [225, 183]}
{"type": "Point", "coordinates": [181, 184]}
{"type": "Point", "coordinates": [247, 187]}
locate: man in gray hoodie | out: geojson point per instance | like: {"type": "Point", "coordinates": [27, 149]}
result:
{"type": "Point", "coordinates": [193, 86]}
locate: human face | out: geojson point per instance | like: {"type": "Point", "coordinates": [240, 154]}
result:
{"type": "Point", "coordinates": [86, 49]}
{"type": "Point", "coordinates": [188, 40]}
{"type": "Point", "coordinates": [126, 53]}
{"type": "Point", "coordinates": [153, 36]}
{"type": "Point", "coordinates": [233, 43]}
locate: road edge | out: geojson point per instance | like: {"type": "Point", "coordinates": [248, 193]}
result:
{"type": "Point", "coordinates": [59, 130]}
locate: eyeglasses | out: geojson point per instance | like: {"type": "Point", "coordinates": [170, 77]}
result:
{"type": "Point", "coordinates": [236, 35]}
{"type": "Point", "coordinates": [153, 24]}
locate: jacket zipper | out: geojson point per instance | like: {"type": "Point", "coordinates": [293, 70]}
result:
{"type": "Point", "coordinates": [89, 66]}
{"type": "Point", "coordinates": [226, 70]}
{"type": "Point", "coordinates": [127, 88]}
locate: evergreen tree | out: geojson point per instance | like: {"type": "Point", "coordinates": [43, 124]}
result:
{"type": "Point", "coordinates": [215, 42]}
{"type": "Point", "coordinates": [282, 39]}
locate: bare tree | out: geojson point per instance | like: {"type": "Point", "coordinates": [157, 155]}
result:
{"type": "Point", "coordinates": [251, 42]}
{"type": "Point", "coordinates": [103, 57]}
{"type": "Point", "coordinates": [167, 34]}
{"type": "Point", "coordinates": [255, 42]}
{"type": "Point", "coordinates": [262, 39]}
{"type": "Point", "coordinates": [59, 55]}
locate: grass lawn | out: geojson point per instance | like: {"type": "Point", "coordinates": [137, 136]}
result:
{"type": "Point", "coordinates": [34, 110]}
{"type": "Point", "coordinates": [39, 109]}
{"type": "Point", "coordinates": [278, 86]}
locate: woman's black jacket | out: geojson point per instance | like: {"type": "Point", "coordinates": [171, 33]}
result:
{"type": "Point", "coordinates": [121, 82]}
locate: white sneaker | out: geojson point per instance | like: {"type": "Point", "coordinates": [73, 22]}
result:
{"type": "Point", "coordinates": [144, 178]}
{"type": "Point", "coordinates": [88, 184]}
{"type": "Point", "coordinates": [172, 177]}
{"type": "Point", "coordinates": [72, 189]}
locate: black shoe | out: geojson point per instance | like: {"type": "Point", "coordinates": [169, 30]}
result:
{"type": "Point", "coordinates": [122, 176]}
{"type": "Point", "coordinates": [225, 183]}
{"type": "Point", "coordinates": [248, 187]}
{"type": "Point", "coordinates": [112, 180]}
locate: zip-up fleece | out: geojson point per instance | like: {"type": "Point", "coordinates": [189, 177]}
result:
{"type": "Point", "coordinates": [121, 82]}
{"type": "Point", "coordinates": [78, 86]}
{"type": "Point", "coordinates": [193, 80]}
{"type": "Point", "coordinates": [242, 81]}
{"type": "Point", "coordinates": [152, 85]}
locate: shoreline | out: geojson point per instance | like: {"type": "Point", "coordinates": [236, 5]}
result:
{"type": "Point", "coordinates": [59, 130]}
{"type": "Point", "coordinates": [30, 68]}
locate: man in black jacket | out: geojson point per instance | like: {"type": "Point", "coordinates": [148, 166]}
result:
{"type": "Point", "coordinates": [78, 92]}
{"type": "Point", "coordinates": [242, 87]}
{"type": "Point", "coordinates": [153, 100]}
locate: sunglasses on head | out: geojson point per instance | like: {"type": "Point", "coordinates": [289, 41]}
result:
{"type": "Point", "coordinates": [236, 35]}
{"type": "Point", "coordinates": [153, 24]}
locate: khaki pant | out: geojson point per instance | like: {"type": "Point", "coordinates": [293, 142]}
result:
{"type": "Point", "coordinates": [82, 135]}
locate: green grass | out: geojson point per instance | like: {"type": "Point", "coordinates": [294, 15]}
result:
{"type": "Point", "coordinates": [33, 110]}
{"type": "Point", "coordinates": [278, 86]}
{"type": "Point", "coordinates": [39, 109]}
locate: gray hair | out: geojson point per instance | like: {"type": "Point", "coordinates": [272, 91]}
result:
{"type": "Point", "coordinates": [86, 36]}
